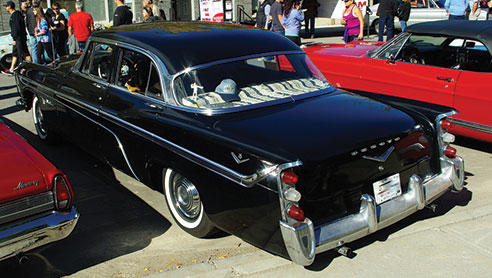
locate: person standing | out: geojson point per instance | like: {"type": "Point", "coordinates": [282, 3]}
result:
{"type": "Point", "coordinates": [261, 16]}
{"type": "Point", "coordinates": [122, 15]}
{"type": "Point", "coordinates": [19, 35]}
{"type": "Point", "coordinates": [404, 13]}
{"type": "Point", "coordinates": [456, 9]}
{"type": "Point", "coordinates": [155, 10]}
{"type": "Point", "coordinates": [474, 11]}
{"type": "Point", "coordinates": [276, 13]}
{"type": "Point", "coordinates": [148, 15]}
{"type": "Point", "coordinates": [353, 21]}
{"type": "Point", "coordinates": [81, 25]}
{"type": "Point", "coordinates": [292, 19]}
{"type": "Point", "coordinates": [310, 14]}
{"type": "Point", "coordinates": [489, 13]}
{"type": "Point", "coordinates": [60, 34]}
{"type": "Point", "coordinates": [30, 21]}
{"type": "Point", "coordinates": [43, 35]}
{"type": "Point", "coordinates": [386, 12]}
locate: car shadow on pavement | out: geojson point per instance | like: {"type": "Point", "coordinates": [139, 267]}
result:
{"type": "Point", "coordinates": [6, 96]}
{"type": "Point", "coordinates": [473, 144]}
{"type": "Point", "coordinates": [113, 221]}
{"type": "Point", "coordinates": [443, 205]}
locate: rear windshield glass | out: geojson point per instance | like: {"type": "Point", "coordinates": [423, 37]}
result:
{"type": "Point", "coordinates": [249, 81]}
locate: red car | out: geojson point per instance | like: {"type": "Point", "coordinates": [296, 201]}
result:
{"type": "Point", "coordinates": [442, 62]}
{"type": "Point", "coordinates": [35, 198]}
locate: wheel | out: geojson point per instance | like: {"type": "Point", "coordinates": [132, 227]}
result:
{"type": "Point", "coordinates": [183, 201]}
{"type": "Point", "coordinates": [375, 26]}
{"type": "Point", "coordinates": [40, 124]}
{"type": "Point", "coordinates": [5, 62]}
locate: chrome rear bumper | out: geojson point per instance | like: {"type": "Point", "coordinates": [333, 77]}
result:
{"type": "Point", "coordinates": [302, 244]}
{"type": "Point", "coordinates": [27, 234]}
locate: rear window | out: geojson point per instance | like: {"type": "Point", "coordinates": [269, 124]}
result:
{"type": "Point", "coordinates": [248, 81]}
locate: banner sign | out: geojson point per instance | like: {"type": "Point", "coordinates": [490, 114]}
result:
{"type": "Point", "coordinates": [212, 10]}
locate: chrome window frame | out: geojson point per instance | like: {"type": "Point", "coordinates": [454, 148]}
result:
{"type": "Point", "coordinates": [161, 68]}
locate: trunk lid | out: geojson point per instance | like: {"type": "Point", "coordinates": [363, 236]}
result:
{"type": "Point", "coordinates": [19, 168]}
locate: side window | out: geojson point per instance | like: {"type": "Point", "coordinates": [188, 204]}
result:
{"type": "Point", "coordinates": [137, 73]}
{"type": "Point", "coordinates": [98, 61]}
{"type": "Point", "coordinates": [87, 59]}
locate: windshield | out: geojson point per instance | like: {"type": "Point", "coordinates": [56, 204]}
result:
{"type": "Point", "coordinates": [248, 81]}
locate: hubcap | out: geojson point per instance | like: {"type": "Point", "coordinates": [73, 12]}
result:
{"type": "Point", "coordinates": [39, 119]}
{"type": "Point", "coordinates": [185, 197]}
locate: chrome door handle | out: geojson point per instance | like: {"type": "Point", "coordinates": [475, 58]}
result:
{"type": "Point", "coordinates": [154, 106]}
{"type": "Point", "coordinates": [97, 85]}
{"type": "Point", "coordinates": [443, 78]}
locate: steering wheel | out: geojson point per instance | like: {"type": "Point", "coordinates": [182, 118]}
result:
{"type": "Point", "coordinates": [102, 69]}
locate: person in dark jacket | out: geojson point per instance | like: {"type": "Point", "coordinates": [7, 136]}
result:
{"type": "Point", "coordinates": [261, 17]}
{"type": "Point", "coordinates": [386, 12]}
{"type": "Point", "coordinates": [19, 35]}
{"type": "Point", "coordinates": [60, 33]}
{"type": "Point", "coordinates": [30, 21]}
{"type": "Point", "coordinates": [122, 15]}
{"type": "Point", "coordinates": [311, 7]}
{"type": "Point", "coordinates": [404, 13]}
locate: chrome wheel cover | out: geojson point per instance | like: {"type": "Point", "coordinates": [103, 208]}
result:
{"type": "Point", "coordinates": [185, 197]}
{"type": "Point", "coordinates": [39, 120]}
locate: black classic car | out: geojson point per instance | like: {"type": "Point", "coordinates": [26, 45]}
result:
{"type": "Point", "coordinates": [242, 133]}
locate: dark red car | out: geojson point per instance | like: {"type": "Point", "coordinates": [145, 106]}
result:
{"type": "Point", "coordinates": [443, 62]}
{"type": "Point", "coordinates": [35, 198]}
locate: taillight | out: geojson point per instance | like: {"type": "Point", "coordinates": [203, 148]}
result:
{"type": "Point", "coordinates": [62, 193]}
{"type": "Point", "coordinates": [296, 213]}
{"type": "Point", "coordinates": [450, 152]}
{"type": "Point", "coordinates": [289, 177]}
{"type": "Point", "coordinates": [446, 124]}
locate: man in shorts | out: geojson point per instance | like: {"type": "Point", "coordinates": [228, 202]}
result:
{"type": "Point", "coordinates": [19, 36]}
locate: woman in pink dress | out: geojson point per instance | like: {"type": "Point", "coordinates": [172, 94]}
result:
{"type": "Point", "coordinates": [353, 21]}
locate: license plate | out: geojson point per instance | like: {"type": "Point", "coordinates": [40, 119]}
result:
{"type": "Point", "coordinates": [387, 188]}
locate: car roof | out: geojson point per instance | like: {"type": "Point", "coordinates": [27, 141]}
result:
{"type": "Point", "coordinates": [184, 44]}
{"type": "Point", "coordinates": [472, 29]}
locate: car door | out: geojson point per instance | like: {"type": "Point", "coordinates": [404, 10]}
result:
{"type": "Point", "coordinates": [81, 93]}
{"type": "Point", "coordinates": [407, 75]}
{"type": "Point", "coordinates": [128, 112]}
{"type": "Point", "coordinates": [473, 97]}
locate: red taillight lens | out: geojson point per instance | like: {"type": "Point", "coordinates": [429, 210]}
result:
{"type": "Point", "coordinates": [450, 152]}
{"type": "Point", "coordinates": [296, 213]}
{"type": "Point", "coordinates": [289, 177]}
{"type": "Point", "coordinates": [446, 124]}
{"type": "Point", "coordinates": [62, 193]}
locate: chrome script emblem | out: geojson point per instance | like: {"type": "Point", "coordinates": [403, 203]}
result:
{"type": "Point", "coordinates": [239, 158]}
{"type": "Point", "coordinates": [24, 185]}
{"type": "Point", "coordinates": [381, 158]}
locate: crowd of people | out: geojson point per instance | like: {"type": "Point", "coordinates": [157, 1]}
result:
{"type": "Point", "coordinates": [41, 35]}
{"type": "Point", "coordinates": [285, 17]}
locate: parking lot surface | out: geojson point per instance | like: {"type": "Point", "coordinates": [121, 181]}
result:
{"type": "Point", "coordinates": [125, 229]}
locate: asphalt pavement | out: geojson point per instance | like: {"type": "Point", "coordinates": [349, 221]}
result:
{"type": "Point", "coordinates": [125, 229]}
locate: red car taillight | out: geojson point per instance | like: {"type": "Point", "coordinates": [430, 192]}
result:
{"type": "Point", "coordinates": [446, 124]}
{"type": "Point", "coordinates": [296, 213]}
{"type": "Point", "coordinates": [63, 195]}
{"type": "Point", "coordinates": [289, 177]}
{"type": "Point", "coordinates": [450, 152]}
